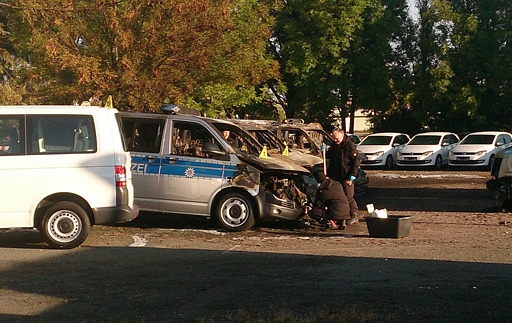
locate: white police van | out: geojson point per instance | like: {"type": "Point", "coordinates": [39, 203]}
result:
{"type": "Point", "coordinates": [63, 169]}
{"type": "Point", "coordinates": [181, 164]}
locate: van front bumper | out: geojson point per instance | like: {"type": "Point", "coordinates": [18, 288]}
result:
{"type": "Point", "coordinates": [273, 208]}
{"type": "Point", "coordinates": [116, 214]}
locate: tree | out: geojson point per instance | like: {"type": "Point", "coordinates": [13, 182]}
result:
{"type": "Point", "coordinates": [376, 62]}
{"type": "Point", "coordinates": [433, 75]}
{"type": "Point", "coordinates": [144, 53]}
{"type": "Point", "coordinates": [310, 41]}
{"type": "Point", "coordinates": [11, 86]}
{"type": "Point", "coordinates": [481, 59]}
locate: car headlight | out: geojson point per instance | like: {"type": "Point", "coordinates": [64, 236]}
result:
{"type": "Point", "coordinates": [427, 153]}
{"type": "Point", "coordinates": [481, 153]}
{"type": "Point", "coordinates": [450, 153]}
{"type": "Point", "coordinates": [378, 153]}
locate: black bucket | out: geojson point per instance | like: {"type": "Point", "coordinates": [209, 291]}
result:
{"type": "Point", "coordinates": [396, 226]}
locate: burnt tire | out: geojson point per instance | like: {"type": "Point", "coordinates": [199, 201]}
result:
{"type": "Point", "coordinates": [65, 225]}
{"type": "Point", "coordinates": [235, 212]}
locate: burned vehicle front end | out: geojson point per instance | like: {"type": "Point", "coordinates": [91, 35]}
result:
{"type": "Point", "coordinates": [501, 182]}
{"type": "Point", "coordinates": [281, 188]}
{"type": "Point", "coordinates": [284, 195]}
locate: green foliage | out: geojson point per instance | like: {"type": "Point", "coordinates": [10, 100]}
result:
{"type": "Point", "coordinates": [239, 67]}
{"type": "Point", "coordinates": [145, 52]}
{"type": "Point", "coordinates": [311, 41]}
{"type": "Point", "coordinates": [450, 69]}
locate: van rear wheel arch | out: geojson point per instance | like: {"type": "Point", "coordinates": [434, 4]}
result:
{"type": "Point", "coordinates": [235, 210]}
{"type": "Point", "coordinates": [61, 197]}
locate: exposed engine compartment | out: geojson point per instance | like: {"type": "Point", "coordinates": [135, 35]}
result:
{"type": "Point", "coordinates": [296, 188]}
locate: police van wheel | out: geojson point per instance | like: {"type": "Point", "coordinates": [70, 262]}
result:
{"type": "Point", "coordinates": [65, 225]}
{"type": "Point", "coordinates": [235, 212]}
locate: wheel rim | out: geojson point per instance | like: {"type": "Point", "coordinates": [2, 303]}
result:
{"type": "Point", "coordinates": [64, 226]}
{"type": "Point", "coordinates": [234, 212]}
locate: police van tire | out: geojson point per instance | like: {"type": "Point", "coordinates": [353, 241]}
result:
{"type": "Point", "coordinates": [65, 225]}
{"type": "Point", "coordinates": [235, 212]}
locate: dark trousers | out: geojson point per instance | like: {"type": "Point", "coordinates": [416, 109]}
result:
{"type": "Point", "coordinates": [349, 192]}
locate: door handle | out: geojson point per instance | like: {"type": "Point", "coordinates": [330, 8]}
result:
{"type": "Point", "coordinates": [150, 159]}
{"type": "Point", "coordinates": [171, 159]}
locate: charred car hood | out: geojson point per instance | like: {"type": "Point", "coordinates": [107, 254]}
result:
{"type": "Point", "coordinates": [297, 157]}
{"type": "Point", "coordinates": [272, 164]}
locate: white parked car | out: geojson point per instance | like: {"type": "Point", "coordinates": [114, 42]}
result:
{"type": "Point", "coordinates": [381, 148]}
{"type": "Point", "coordinates": [428, 149]}
{"type": "Point", "coordinates": [479, 148]}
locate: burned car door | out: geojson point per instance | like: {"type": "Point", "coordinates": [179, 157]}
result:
{"type": "Point", "coordinates": [191, 170]}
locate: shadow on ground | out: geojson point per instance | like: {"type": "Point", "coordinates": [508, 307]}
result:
{"type": "Point", "coordinates": [148, 284]}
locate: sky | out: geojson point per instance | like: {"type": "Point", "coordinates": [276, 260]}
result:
{"type": "Point", "coordinates": [412, 8]}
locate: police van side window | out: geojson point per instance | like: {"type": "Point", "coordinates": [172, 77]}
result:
{"type": "Point", "coordinates": [144, 135]}
{"type": "Point", "coordinates": [189, 139]}
{"type": "Point", "coordinates": [11, 135]}
{"type": "Point", "coordinates": [60, 134]}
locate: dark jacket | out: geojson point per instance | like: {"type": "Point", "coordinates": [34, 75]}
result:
{"type": "Point", "coordinates": [331, 198]}
{"type": "Point", "coordinates": [343, 159]}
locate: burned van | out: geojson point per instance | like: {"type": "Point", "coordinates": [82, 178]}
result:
{"type": "Point", "coordinates": [182, 164]}
{"type": "Point", "coordinates": [261, 131]}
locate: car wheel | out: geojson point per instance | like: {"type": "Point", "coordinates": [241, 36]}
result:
{"type": "Point", "coordinates": [65, 225]}
{"type": "Point", "coordinates": [235, 212]}
{"type": "Point", "coordinates": [389, 162]}
{"type": "Point", "coordinates": [439, 162]}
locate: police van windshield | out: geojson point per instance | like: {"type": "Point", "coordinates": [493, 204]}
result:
{"type": "Point", "coordinates": [238, 138]}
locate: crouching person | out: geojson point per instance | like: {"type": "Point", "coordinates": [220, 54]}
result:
{"type": "Point", "coordinates": [331, 204]}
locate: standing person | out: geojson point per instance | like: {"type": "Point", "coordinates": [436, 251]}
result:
{"type": "Point", "coordinates": [343, 166]}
